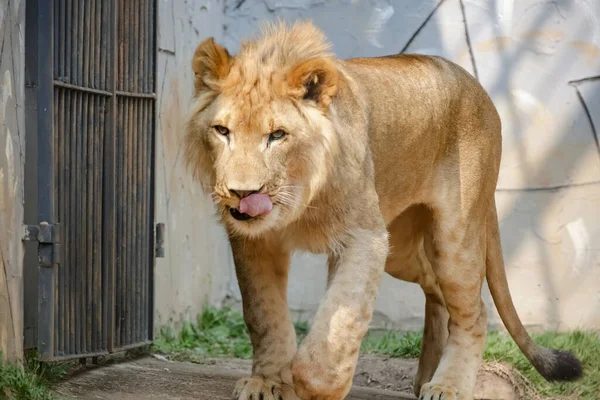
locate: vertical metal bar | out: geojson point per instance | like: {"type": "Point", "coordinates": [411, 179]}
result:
{"type": "Point", "coordinates": [129, 31]}
{"type": "Point", "coordinates": [142, 235]}
{"type": "Point", "coordinates": [81, 50]}
{"type": "Point", "coordinates": [89, 44]}
{"type": "Point", "coordinates": [144, 232]}
{"type": "Point", "coordinates": [92, 23]}
{"type": "Point", "coordinates": [134, 215]}
{"type": "Point", "coordinates": [144, 54]}
{"type": "Point", "coordinates": [60, 39]}
{"type": "Point", "coordinates": [66, 38]}
{"type": "Point", "coordinates": [121, 44]}
{"type": "Point", "coordinates": [74, 42]}
{"type": "Point", "coordinates": [149, 219]}
{"type": "Point", "coordinates": [134, 212]}
{"type": "Point", "coordinates": [131, 284]}
{"type": "Point", "coordinates": [71, 267]}
{"type": "Point", "coordinates": [99, 275]}
{"type": "Point", "coordinates": [139, 233]}
{"type": "Point", "coordinates": [121, 157]}
{"type": "Point", "coordinates": [126, 256]}
{"type": "Point", "coordinates": [136, 50]}
{"type": "Point", "coordinates": [77, 262]}
{"type": "Point", "coordinates": [62, 172]}
{"type": "Point", "coordinates": [106, 44]}
{"type": "Point", "coordinates": [152, 166]}
{"type": "Point", "coordinates": [56, 29]}
{"type": "Point", "coordinates": [134, 155]}
{"type": "Point", "coordinates": [98, 42]}
{"type": "Point", "coordinates": [126, 43]}
{"type": "Point", "coordinates": [145, 261]}
{"type": "Point", "coordinates": [106, 191]}
{"type": "Point", "coordinates": [40, 13]}
{"type": "Point", "coordinates": [127, 279]}
{"type": "Point", "coordinates": [120, 204]}
{"type": "Point", "coordinates": [89, 214]}
{"type": "Point", "coordinates": [92, 211]}
{"type": "Point", "coordinates": [83, 195]}
{"type": "Point", "coordinates": [96, 218]}
{"type": "Point", "coordinates": [56, 185]}
{"type": "Point", "coordinates": [109, 198]}
{"type": "Point", "coordinates": [149, 47]}
{"type": "Point", "coordinates": [67, 220]}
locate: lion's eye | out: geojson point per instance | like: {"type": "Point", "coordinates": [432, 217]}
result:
{"type": "Point", "coordinates": [221, 129]}
{"type": "Point", "coordinates": [277, 135]}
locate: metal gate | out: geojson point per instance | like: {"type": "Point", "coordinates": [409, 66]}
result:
{"type": "Point", "coordinates": [90, 93]}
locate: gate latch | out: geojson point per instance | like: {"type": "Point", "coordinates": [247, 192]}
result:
{"type": "Point", "coordinates": [48, 237]}
{"type": "Point", "coordinates": [159, 247]}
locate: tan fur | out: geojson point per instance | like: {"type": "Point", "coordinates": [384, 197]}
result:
{"type": "Point", "coordinates": [389, 163]}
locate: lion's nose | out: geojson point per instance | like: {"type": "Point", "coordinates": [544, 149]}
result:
{"type": "Point", "coordinates": [243, 193]}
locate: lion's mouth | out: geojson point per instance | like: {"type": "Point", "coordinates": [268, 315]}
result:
{"type": "Point", "coordinates": [252, 206]}
{"type": "Point", "coordinates": [240, 216]}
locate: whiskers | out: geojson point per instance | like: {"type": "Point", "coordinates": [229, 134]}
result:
{"type": "Point", "coordinates": [286, 198]}
{"type": "Point", "coordinates": [216, 199]}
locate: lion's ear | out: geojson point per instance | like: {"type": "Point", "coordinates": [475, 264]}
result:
{"type": "Point", "coordinates": [314, 80]}
{"type": "Point", "coordinates": [211, 64]}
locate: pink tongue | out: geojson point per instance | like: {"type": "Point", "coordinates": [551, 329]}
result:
{"type": "Point", "coordinates": [256, 204]}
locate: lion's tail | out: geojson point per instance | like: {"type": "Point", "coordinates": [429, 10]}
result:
{"type": "Point", "coordinates": [553, 365]}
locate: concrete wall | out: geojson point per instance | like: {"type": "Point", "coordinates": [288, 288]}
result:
{"type": "Point", "coordinates": [540, 62]}
{"type": "Point", "coordinates": [197, 265]}
{"type": "Point", "coordinates": [12, 145]}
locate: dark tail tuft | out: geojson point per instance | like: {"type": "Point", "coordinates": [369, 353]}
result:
{"type": "Point", "coordinates": [557, 365]}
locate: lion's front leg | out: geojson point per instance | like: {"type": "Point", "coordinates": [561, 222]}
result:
{"type": "Point", "coordinates": [325, 362]}
{"type": "Point", "coordinates": [262, 271]}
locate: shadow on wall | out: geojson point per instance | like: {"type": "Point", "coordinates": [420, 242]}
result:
{"type": "Point", "coordinates": [540, 62]}
{"type": "Point", "coordinates": [553, 146]}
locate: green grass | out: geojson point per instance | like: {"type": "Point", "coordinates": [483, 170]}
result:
{"type": "Point", "coordinates": [216, 333]}
{"type": "Point", "coordinates": [30, 381]}
{"type": "Point", "coordinates": [392, 343]}
{"type": "Point", "coordinates": [222, 333]}
{"type": "Point", "coordinates": [585, 345]}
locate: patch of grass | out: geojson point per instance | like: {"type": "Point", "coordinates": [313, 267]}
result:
{"type": "Point", "coordinates": [585, 345]}
{"type": "Point", "coordinates": [29, 382]}
{"type": "Point", "coordinates": [222, 333]}
{"type": "Point", "coordinates": [500, 347]}
{"type": "Point", "coordinates": [392, 343]}
{"type": "Point", "coordinates": [216, 333]}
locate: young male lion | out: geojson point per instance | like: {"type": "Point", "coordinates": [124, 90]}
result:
{"type": "Point", "coordinates": [385, 163]}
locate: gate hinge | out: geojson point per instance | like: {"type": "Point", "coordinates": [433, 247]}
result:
{"type": "Point", "coordinates": [159, 247]}
{"type": "Point", "coordinates": [48, 237]}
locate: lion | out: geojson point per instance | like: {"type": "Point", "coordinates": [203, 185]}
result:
{"type": "Point", "coordinates": [383, 164]}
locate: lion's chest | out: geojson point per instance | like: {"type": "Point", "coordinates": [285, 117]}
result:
{"type": "Point", "coordinates": [315, 237]}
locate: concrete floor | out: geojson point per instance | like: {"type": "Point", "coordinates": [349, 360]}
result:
{"type": "Point", "coordinates": [150, 378]}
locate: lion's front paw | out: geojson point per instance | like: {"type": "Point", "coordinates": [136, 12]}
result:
{"type": "Point", "coordinates": [312, 381]}
{"type": "Point", "coordinates": [256, 388]}
{"type": "Point", "coordinates": [431, 391]}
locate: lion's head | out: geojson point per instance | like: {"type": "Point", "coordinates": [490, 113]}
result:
{"type": "Point", "coordinates": [259, 136]}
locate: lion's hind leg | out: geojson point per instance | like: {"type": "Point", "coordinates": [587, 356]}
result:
{"type": "Point", "coordinates": [458, 253]}
{"type": "Point", "coordinates": [408, 262]}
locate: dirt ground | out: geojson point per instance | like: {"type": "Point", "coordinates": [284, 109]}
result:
{"type": "Point", "coordinates": [376, 378]}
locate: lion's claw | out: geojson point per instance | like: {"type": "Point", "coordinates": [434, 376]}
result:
{"type": "Point", "coordinates": [437, 392]}
{"type": "Point", "coordinates": [257, 388]}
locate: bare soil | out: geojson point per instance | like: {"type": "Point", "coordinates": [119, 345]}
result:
{"type": "Point", "coordinates": [377, 378]}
